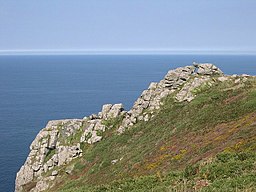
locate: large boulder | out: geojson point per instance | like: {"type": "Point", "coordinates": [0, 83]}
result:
{"type": "Point", "coordinates": [115, 110]}
{"type": "Point", "coordinates": [105, 110]}
{"type": "Point", "coordinates": [53, 139]}
{"type": "Point", "coordinates": [207, 69]}
{"type": "Point", "coordinates": [175, 78]}
{"type": "Point", "coordinates": [111, 111]}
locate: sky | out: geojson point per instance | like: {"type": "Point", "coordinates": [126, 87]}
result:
{"type": "Point", "coordinates": [127, 25]}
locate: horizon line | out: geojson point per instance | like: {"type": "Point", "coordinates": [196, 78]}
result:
{"type": "Point", "coordinates": [118, 52]}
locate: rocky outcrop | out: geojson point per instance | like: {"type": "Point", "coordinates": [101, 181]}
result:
{"type": "Point", "coordinates": [91, 133]}
{"type": "Point", "coordinates": [207, 69]}
{"type": "Point", "coordinates": [181, 81]}
{"type": "Point", "coordinates": [49, 150]}
{"type": "Point", "coordinates": [60, 141]}
{"type": "Point", "coordinates": [111, 111]}
{"type": "Point", "coordinates": [186, 92]}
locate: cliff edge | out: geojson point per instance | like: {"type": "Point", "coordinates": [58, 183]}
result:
{"type": "Point", "coordinates": [65, 144]}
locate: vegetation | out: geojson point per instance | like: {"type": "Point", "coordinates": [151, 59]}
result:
{"type": "Point", "coordinates": [49, 154]}
{"type": "Point", "coordinates": [74, 138]}
{"type": "Point", "coordinates": [226, 172]}
{"type": "Point", "coordinates": [113, 122]}
{"type": "Point", "coordinates": [207, 145]}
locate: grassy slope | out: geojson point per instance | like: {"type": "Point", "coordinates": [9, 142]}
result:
{"type": "Point", "coordinates": [208, 143]}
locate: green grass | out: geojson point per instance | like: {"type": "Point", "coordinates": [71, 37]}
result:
{"type": "Point", "coordinates": [227, 172]}
{"type": "Point", "coordinates": [75, 138]}
{"type": "Point", "coordinates": [113, 122]}
{"type": "Point", "coordinates": [49, 154]}
{"type": "Point", "coordinates": [177, 138]}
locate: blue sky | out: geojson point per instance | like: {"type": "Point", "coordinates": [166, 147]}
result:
{"type": "Point", "coordinates": [127, 25]}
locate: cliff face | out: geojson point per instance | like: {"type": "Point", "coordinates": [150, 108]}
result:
{"type": "Point", "coordinates": [62, 141]}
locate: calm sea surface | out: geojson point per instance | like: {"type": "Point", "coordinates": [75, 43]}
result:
{"type": "Point", "coordinates": [36, 89]}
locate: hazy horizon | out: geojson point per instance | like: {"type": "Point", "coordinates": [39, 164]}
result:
{"type": "Point", "coordinates": [125, 52]}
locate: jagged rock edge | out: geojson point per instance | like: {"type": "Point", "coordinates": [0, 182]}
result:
{"type": "Point", "coordinates": [48, 139]}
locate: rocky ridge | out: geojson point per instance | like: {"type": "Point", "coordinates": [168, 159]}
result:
{"type": "Point", "coordinates": [60, 141]}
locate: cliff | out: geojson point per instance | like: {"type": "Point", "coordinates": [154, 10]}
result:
{"type": "Point", "coordinates": [193, 114]}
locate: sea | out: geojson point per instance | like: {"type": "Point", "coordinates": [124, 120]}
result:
{"type": "Point", "coordinates": [37, 88]}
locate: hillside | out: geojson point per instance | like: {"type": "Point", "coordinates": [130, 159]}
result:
{"type": "Point", "coordinates": [194, 130]}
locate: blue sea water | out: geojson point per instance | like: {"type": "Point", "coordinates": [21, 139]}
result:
{"type": "Point", "coordinates": [36, 89]}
